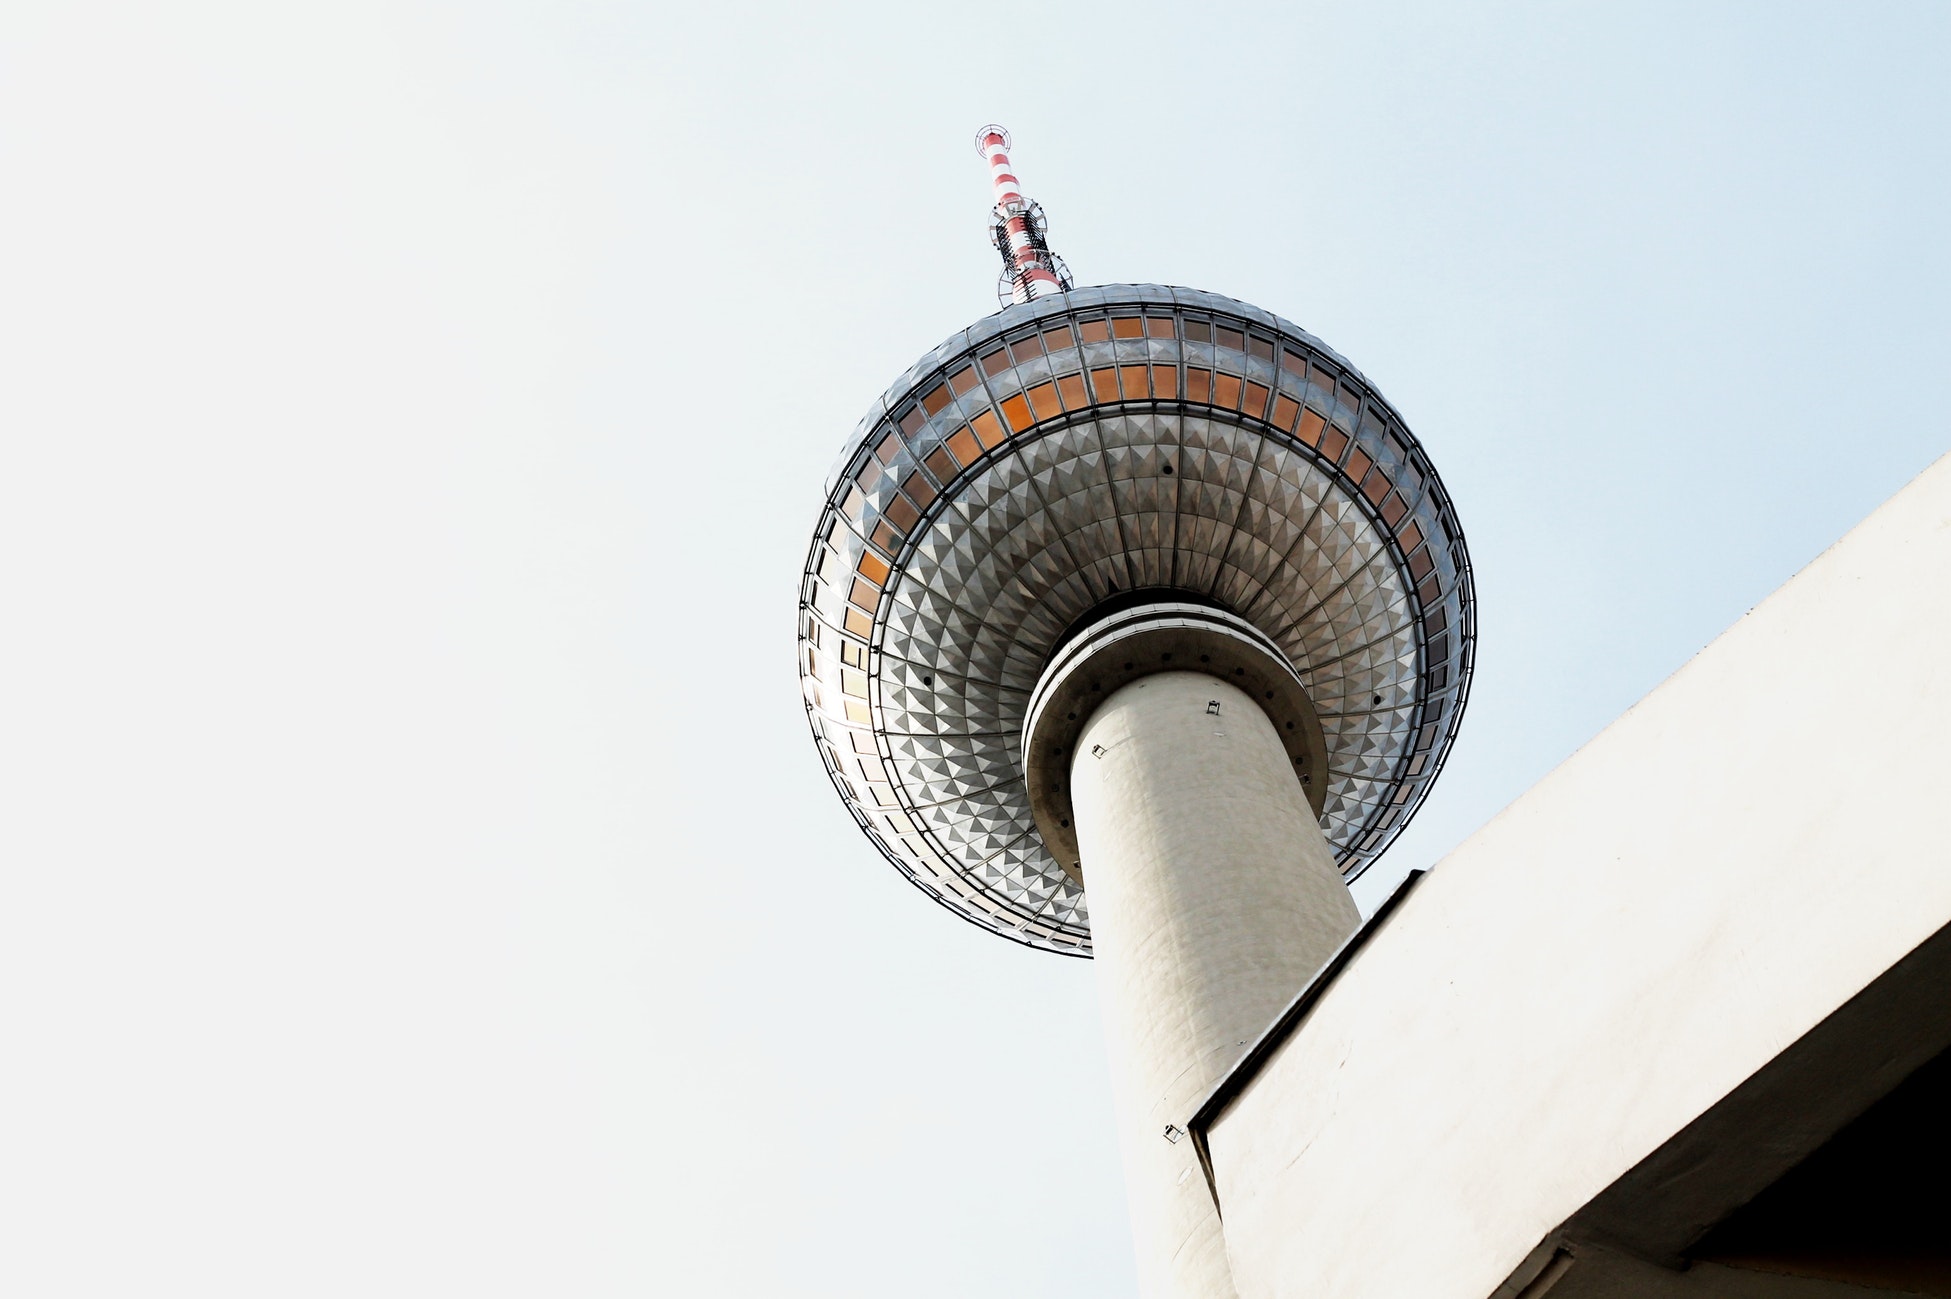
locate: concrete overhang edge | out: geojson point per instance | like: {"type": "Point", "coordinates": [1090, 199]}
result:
{"type": "Point", "coordinates": [1285, 1024]}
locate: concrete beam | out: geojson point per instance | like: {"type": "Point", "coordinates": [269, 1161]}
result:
{"type": "Point", "coordinates": [1629, 944]}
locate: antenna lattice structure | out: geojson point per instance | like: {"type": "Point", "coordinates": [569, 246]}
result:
{"type": "Point", "coordinates": [1019, 230]}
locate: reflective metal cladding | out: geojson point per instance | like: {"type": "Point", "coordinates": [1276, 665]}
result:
{"type": "Point", "coordinates": [1068, 452]}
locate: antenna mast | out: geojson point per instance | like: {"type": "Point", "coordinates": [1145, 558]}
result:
{"type": "Point", "coordinates": [1019, 230]}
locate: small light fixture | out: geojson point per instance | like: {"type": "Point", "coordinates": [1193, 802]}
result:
{"type": "Point", "coordinates": [1212, 708]}
{"type": "Point", "coordinates": [1173, 1132]}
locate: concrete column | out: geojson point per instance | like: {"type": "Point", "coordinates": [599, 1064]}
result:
{"type": "Point", "coordinates": [1214, 899]}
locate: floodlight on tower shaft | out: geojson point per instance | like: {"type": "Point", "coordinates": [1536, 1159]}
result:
{"type": "Point", "coordinates": [1018, 229]}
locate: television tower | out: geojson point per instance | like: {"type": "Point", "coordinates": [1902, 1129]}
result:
{"type": "Point", "coordinates": [1135, 624]}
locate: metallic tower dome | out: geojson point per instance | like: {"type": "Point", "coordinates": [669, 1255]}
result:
{"type": "Point", "coordinates": [1087, 449]}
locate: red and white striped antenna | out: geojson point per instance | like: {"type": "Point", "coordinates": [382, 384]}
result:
{"type": "Point", "coordinates": [1019, 229]}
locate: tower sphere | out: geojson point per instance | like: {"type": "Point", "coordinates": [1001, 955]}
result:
{"type": "Point", "coordinates": [1102, 449]}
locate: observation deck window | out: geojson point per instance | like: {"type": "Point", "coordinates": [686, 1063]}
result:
{"type": "Point", "coordinates": [1358, 465]}
{"type": "Point", "coordinates": [962, 443]}
{"type": "Point", "coordinates": [987, 428]}
{"type": "Point", "coordinates": [902, 514]}
{"type": "Point", "coordinates": [918, 489]}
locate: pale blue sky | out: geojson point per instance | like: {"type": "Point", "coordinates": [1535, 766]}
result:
{"type": "Point", "coordinates": [418, 878]}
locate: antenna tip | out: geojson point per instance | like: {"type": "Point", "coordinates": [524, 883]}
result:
{"type": "Point", "coordinates": [982, 138]}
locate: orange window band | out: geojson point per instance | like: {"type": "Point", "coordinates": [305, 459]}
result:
{"type": "Point", "coordinates": [988, 428]}
{"type": "Point", "coordinates": [1017, 411]}
{"type": "Point", "coordinates": [963, 444]}
{"type": "Point", "coordinates": [1043, 400]}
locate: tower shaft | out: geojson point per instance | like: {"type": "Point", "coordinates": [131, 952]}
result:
{"type": "Point", "coordinates": [1214, 899]}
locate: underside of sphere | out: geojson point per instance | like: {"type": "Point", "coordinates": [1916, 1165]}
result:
{"type": "Point", "coordinates": [1100, 446]}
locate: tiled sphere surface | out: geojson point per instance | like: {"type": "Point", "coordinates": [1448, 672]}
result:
{"type": "Point", "coordinates": [1099, 442]}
